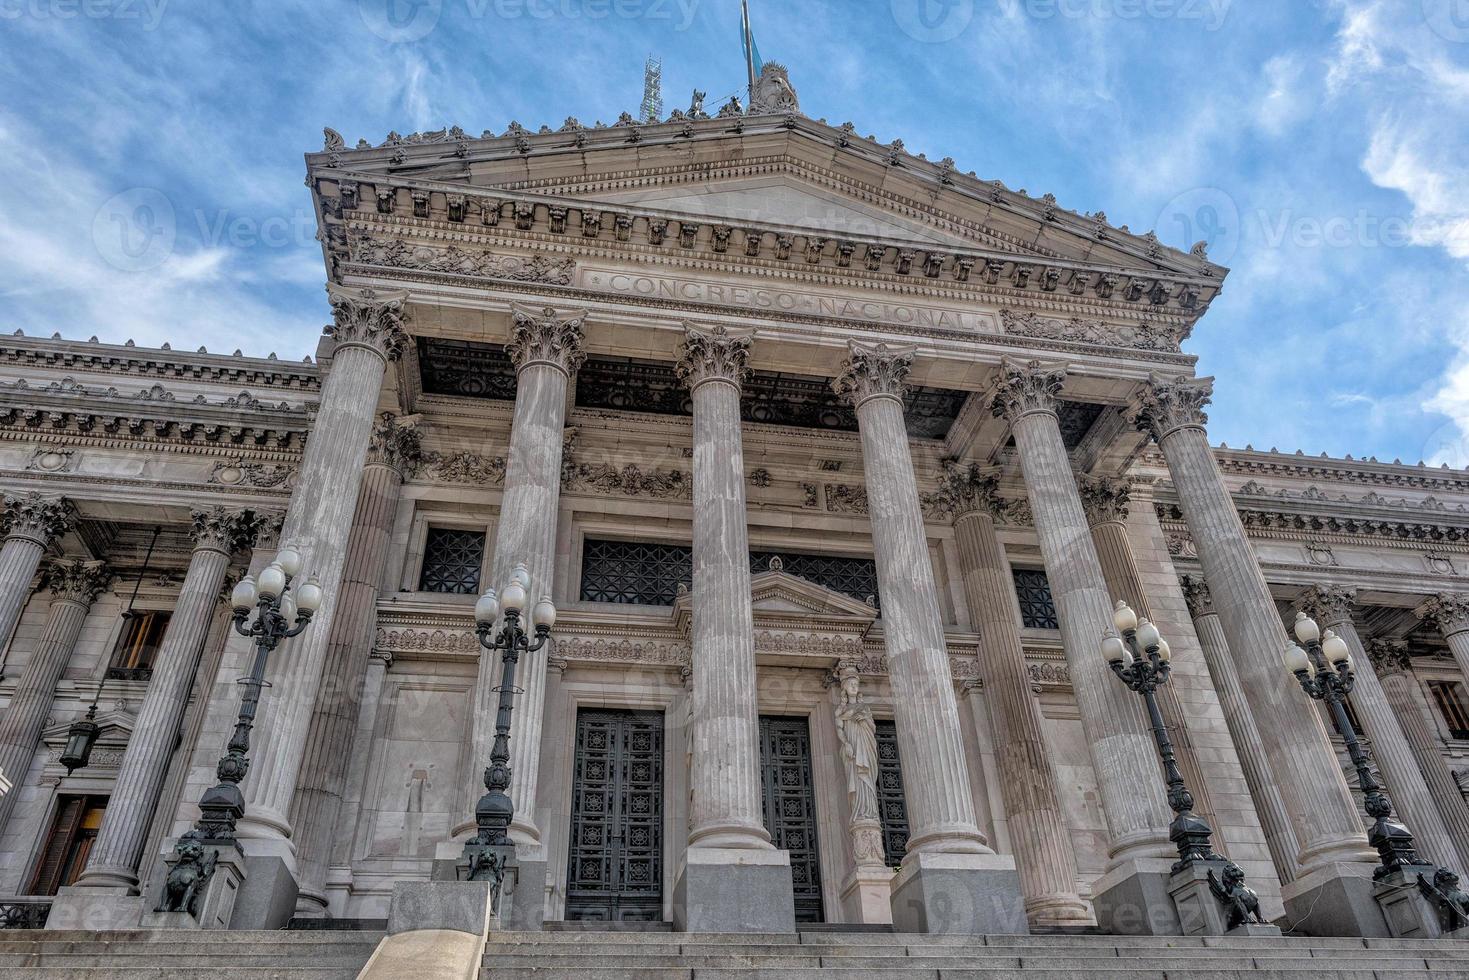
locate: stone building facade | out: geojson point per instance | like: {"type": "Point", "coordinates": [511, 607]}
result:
{"type": "Point", "coordinates": [834, 460]}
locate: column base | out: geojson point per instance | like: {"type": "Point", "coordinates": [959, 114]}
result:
{"type": "Point", "coordinates": [1133, 899]}
{"type": "Point", "coordinates": [96, 909]}
{"type": "Point", "coordinates": [1334, 900]}
{"type": "Point", "coordinates": [958, 894]}
{"type": "Point", "coordinates": [215, 907]}
{"type": "Point", "coordinates": [725, 889]}
{"type": "Point", "coordinates": [867, 894]}
{"type": "Point", "coordinates": [1409, 914]}
{"type": "Point", "coordinates": [1200, 913]}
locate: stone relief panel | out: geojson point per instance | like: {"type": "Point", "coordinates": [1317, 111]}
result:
{"type": "Point", "coordinates": [415, 776]}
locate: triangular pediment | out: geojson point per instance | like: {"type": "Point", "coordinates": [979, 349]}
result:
{"type": "Point", "coordinates": [779, 592]}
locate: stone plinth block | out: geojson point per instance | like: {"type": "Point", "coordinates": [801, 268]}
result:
{"type": "Point", "coordinates": [216, 907]}
{"type": "Point", "coordinates": [958, 894]}
{"type": "Point", "coordinates": [726, 889]}
{"type": "Point", "coordinates": [268, 896]}
{"type": "Point", "coordinates": [1409, 914]}
{"type": "Point", "coordinates": [95, 909]}
{"type": "Point", "coordinates": [1335, 900]}
{"type": "Point", "coordinates": [867, 894]}
{"type": "Point", "coordinates": [458, 906]}
{"type": "Point", "coordinates": [1134, 898]}
{"type": "Point", "coordinates": [1200, 913]}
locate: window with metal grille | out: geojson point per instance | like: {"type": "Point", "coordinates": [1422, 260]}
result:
{"type": "Point", "coordinates": [69, 844]}
{"type": "Point", "coordinates": [1037, 608]}
{"type": "Point", "coordinates": [892, 806]}
{"type": "Point", "coordinates": [138, 644]}
{"type": "Point", "coordinates": [855, 577]}
{"type": "Point", "coordinates": [1449, 696]}
{"type": "Point", "coordinates": [451, 560]}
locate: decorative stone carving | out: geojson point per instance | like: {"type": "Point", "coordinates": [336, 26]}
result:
{"type": "Point", "coordinates": [1104, 500]}
{"type": "Point", "coordinates": [547, 336]}
{"type": "Point", "coordinates": [452, 259]}
{"type": "Point", "coordinates": [873, 371]}
{"type": "Point", "coordinates": [77, 579]}
{"type": "Point", "coordinates": [51, 459]}
{"type": "Point", "coordinates": [1025, 388]}
{"type": "Point", "coordinates": [600, 650]}
{"type": "Point", "coordinates": [238, 472]}
{"type": "Point", "coordinates": [773, 93]}
{"type": "Point", "coordinates": [36, 518]}
{"type": "Point", "coordinates": [464, 467]}
{"type": "Point", "coordinates": [716, 354]}
{"type": "Point", "coordinates": [1388, 656]}
{"type": "Point", "coordinates": [1049, 674]}
{"type": "Point", "coordinates": [367, 318]}
{"type": "Point", "coordinates": [628, 480]}
{"type": "Point", "coordinates": [1172, 403]}
{"type": "Point", "coordinates": [1439, 563]}
{"type": "Point", "coordinates": [1328, 604]}
{"type": "Point", "coordinates": [223, 530]}
{"type": "Point", "coordinates": [1320, 554]}
{"type": "Point", "coordinates": [396, 443]}
{"type": "Point", "coordinates": [1447, 612]}
{"type": "Point", "coordinates": [858, 734]}
{"type": "Point", "coordinates": [844, 499]}
{"type": "Point", "coordinates": [392, 641]}
{"type": "Point", "coordinates": [1140, 336]}
{"type": "Point", "coordinates": [1196, 594]}
{"type": "Point", "coordinates": [963, 489]}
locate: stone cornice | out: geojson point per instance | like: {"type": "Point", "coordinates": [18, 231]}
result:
{"type": "Point", "coordinates": [1299, 466]}
{"type": "Point", "coordinates": [1298, 526]}
{"type": "Point", "coordinates": [127, 359]}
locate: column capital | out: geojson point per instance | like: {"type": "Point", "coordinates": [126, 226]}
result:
{"type": "Point", "coordinates": [268, 526]}
{"type": "Point", "coordinates": [36, 518]}
{"type": "Point", "coordinates": [1388, 656]}
{"type": "Point", "coordinates": [873, 371]}
{"type": "Point", "coordinates": [1026, 388]}
{"type": "Point", "coordinates": [713, 354]}
{"type": "Point", "coordinates": [77, 579]}
{"type": "Point", "coordinates": [223, 530]}
{"type": "Point", "coordinates": [396, 443]}
{"type": "Point", "coordinates": [1104, 499]}
{"type": "Point", "coordinates": [369, 319]}
{"type": "Point", "coordinates": [1328, 604]}
{"type": "Point", "coordinates": [1197, 595]}
{"type": "Point", "coordinates": [971, 489]}
{"type": "Point", "coordinates": [545, 335]}
{"type": "Point", "coordinates": [1448, 611]}
{"type": "Point", "coordinates": [1169, 404]}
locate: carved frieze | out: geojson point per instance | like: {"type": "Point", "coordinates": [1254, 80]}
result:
{"type": "Point", "coordinates": [463, 467]}
{"type": "Point", "coordinates": [240, 472]}
{"type": "Point", "coordinates": [482, 262]}
{"type": "Point", "coordinates": [1140, 336]}
{"type": "Point", "coordinates": [628, 480]}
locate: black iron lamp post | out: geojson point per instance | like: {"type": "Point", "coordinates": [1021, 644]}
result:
{"type": "Point", "coordinates": [1324, 669]}
{"type": "Point", "coordinates": [485, 853]}
{"type": "Point", "coordinates": [1140, 657]}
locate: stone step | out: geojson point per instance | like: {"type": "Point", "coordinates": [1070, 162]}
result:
{"type": "Point", "coordinates": [1048, 963]}
{"type": "Point", "coordinates": [263, 948]}
{"type": "Point", "coordinates": [903, 947]}
{"type": "Point", "coordinates": [1120, 972]}
{"type": "Point", "coordinates": [172, 973]}
{"type": "Point", "coordinates": [190, 936]}
{"type": "Point", "coordinates": [142, 956]}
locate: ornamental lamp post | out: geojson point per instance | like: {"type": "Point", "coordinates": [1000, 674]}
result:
{"type": "Point", "coordinates": [486, 853]}
{"type": "Point", "coordinates": [1324, 670]}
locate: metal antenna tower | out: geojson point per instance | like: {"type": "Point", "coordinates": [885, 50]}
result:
{"type": "Point", "coordinates": [652, 109]}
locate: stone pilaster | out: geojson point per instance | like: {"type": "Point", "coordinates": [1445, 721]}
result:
{"type": "Point", "coordinates": [546, 348]}
{"type": "Point", "coordinates": [74, 584]}
{"type": "Point", "coordinates": [392, 455]}
{"type": "Point", "coordinates": [1033, 812]}
{"type": "Point", "coordinates": [1328, 825]}
{"type": "Point", "coordinates": [1280, 838]}
{"type": "Point", "coordinates": [1393, 668]}
{"type": "Point", "coordinates": [1123, 752]}
{"type": "Point", "coordinates": [1106, 503]}
{"type": "Point", "coordinates": [368, 331]}
{"type": "Point", "coordinates": [941, 812]}
{"type": "Point", "coordinates": [30, 522]}
{"type": "Point", "coordinates": [1331, 607]}
{"type": "Point", "coordinates": [1449, 614]}
{"type": "Point", "coordinates": [114, 862]}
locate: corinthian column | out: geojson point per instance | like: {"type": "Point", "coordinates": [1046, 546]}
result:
{"type": "Point", "coordinates": [1331, 606]}
{"type": "Point", "coordinates": [1332, 895]}
{"type": "Point", "coordinates": [1106, 504]}
{"type": "Point", "coordinates": [1124, 755]}
{"type": "Point", "coordinates": [115, 856]}
{"type": "Point", "coordinates": [368, 330]}
{"type": "Point", "coordinates": [1280, 838]}
{"type": "Point", "coordinates": [1448, 612]}
{"type": "Point", "coordinates": [74, 584]}
{"type": "Point", "coordinates": [1391, 664]}
{"type": "Point", "coordinates": [944, 833]}
{"type": "Point", "coordinates": [391, 456]}
{"type": "Point", "coordinates": [30, 523]}
{"type": "Point", "coordinates": [546, 348]}
{"type": "Point", "coordinates": [1038, 830]}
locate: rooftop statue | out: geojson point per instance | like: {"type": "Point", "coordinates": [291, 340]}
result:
{"type": "Point", "coordinates": [773, 92]}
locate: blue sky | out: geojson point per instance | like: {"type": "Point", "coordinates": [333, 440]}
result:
{"type": "Point", "coordinates": [1322, 146]}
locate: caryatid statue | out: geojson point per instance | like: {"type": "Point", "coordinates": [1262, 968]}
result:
{"type": "Point", "coordinates": [858, 734]}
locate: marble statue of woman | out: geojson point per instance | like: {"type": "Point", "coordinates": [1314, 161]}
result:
{"type": "Point", "coordinates": [858, 734]}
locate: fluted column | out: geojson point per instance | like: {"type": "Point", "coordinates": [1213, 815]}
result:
{"type": "Point", "coordinates": [1106, 504]}
{"type": "Point", "coordinates": [1328, 825]}
{"type": "Point", "coordinates": [1033, 811]}
{"type": "Point", "coordinates": [1394, 669]}
{"type": "Point", "coordinates": [368, 330]}
{"type": "Point", "coordinates": [1331, 606]}
{"type": "Point", "coordinates": [1280, 837]}
{"type": "Point", "coordinates": [1448, 612]}
{"type": "Point", "coordinates": [725, 778]}
{"type": "Point", "coordinates": [115, 856]}
{"type": "Point", "coordinates": [546, 348]}
{"type": "Point", "coordinates": [935, 776]}
{"type": "Point", "coordinates": [74, 584]}
{"type": "Point", "coordinates": [1123, 752]}
{"type": "Point", "coordinates": [30, 522]}
{"type": "Point", "coordinates": [393, 453]}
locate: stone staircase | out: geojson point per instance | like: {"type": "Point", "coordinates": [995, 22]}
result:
{"type": "Point", "coordinates": [875, 956]}
{"type": "Point", "coordinates": [176, 954]}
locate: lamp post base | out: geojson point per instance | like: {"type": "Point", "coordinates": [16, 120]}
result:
{"type": "Point", "coordinates": [1409, 914]}
{"type": "Point", "coordinates": [1134, 899]}
{"type": "Point", "coordinates": [1335, 900]}
{"type": "Point", "coordinates": [1200, 913]}
{"type": "Point", "coordinates": [218, 901]}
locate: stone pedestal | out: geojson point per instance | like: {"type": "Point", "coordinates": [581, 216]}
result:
{"type": "Point", "coordinates": [1335, 900]}
{"type": "Point", "coordinates": [1409, 914]}
{"type": "Point", "coordinates": [1200, 913]}
{"type": "Point", "coordinates": [460, 906]}
{"type": "Point", "coordinates": [216, 907]}
{"type": "Point", "coordinates": [1134, 898]}
{"type": "Point", "coordinates": [96, 909]}
{"type": "Point", "coordinates": [958, 894]}
{"type": "Point", "coordinates": [268, 896]}
{"type": "Point", "coordinates": [734, 889]}
{"type": "Point", "coordinates": [867, 894]}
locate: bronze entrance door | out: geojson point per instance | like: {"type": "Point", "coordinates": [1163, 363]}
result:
{"type": "Point", "coordinates": [615, 863]}
{"type": "Point", "coordinates": [790, 806]}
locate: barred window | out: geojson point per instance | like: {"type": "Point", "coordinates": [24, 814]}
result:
{"type": "Point", "coordinates": [892, 805]}
{"type": "Point", "coordinates": [451, 560]}
{"type": "Point", "coordinates": [855, 577]}
{"type": "Point", "coordinates": [138, 644]}
{"type": "Point", "coordinates": [624, 571]}
{"type": "Point", "coordinates": [1449, 696]}
{"type": "Point", "coordinates": [1037, 608]}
